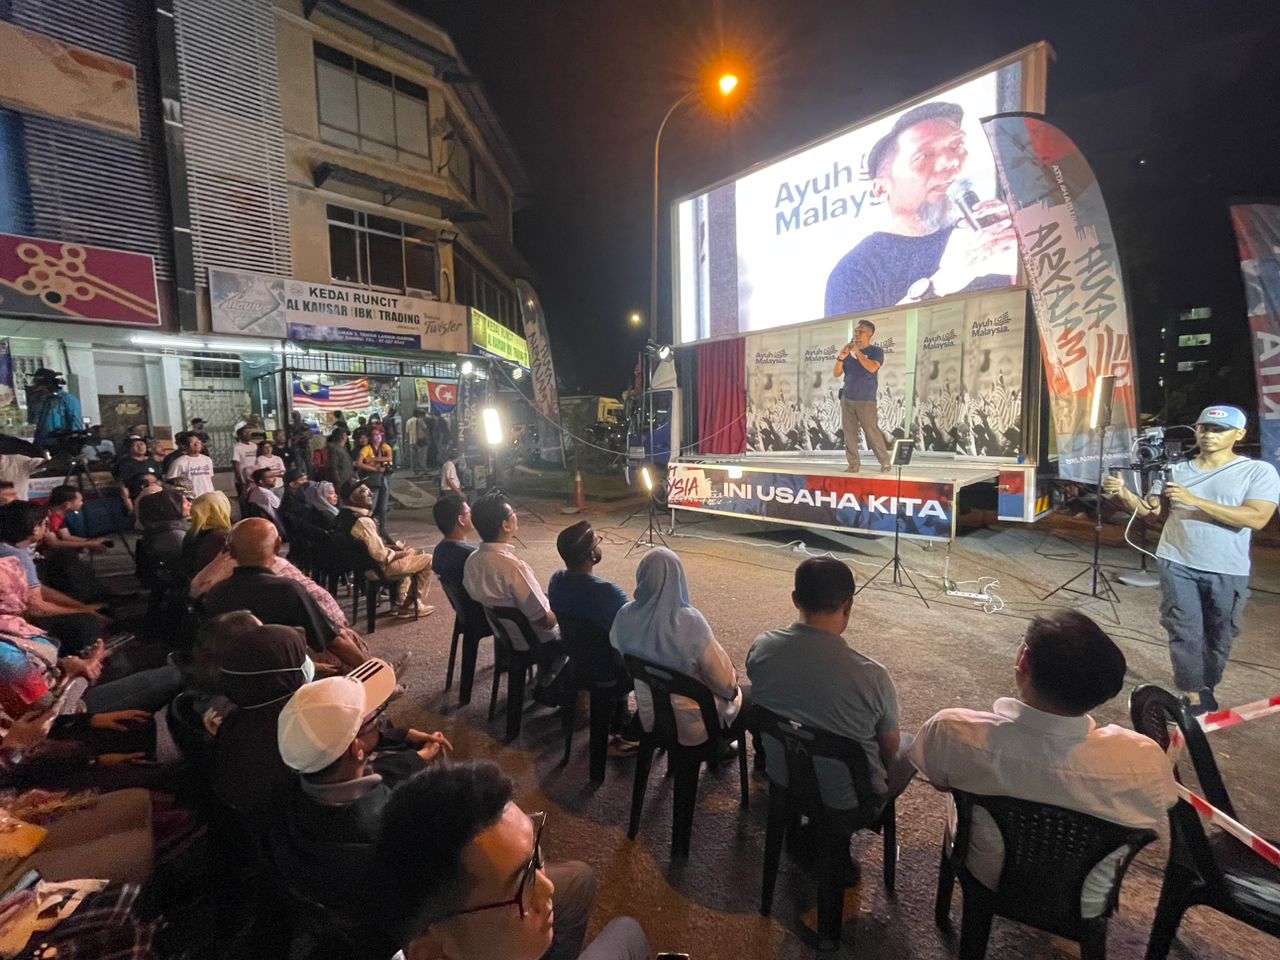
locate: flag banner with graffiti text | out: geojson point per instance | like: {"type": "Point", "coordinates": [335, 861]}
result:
{"type": "Point", "coordinates": [546, 394]}
{"type": "Point", "coordinates": [1069, 253]}
{"type": "Point", "coordinates": [850, 503]}
{"type": "Point", "coordinates": [1257, 228]}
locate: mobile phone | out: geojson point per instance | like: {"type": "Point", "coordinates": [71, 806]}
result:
{"type": "Point", "coordinates": [673, 956]}
{"type": "Point", "coordinates": [24, 882]}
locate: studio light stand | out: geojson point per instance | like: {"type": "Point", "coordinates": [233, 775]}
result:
{"type": "Point", "coordinates": [647, 537]}
{"type": "Point", "coordinates": [1100, 587]}
{"type": "Point", "coordinates": [900, 457]}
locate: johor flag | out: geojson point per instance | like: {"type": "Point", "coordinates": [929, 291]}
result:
{"type": "Point", "coordinates": [351, 395]}
{"type": "Point", "coordinates": [444, 396]}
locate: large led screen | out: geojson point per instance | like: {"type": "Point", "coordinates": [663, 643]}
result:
{"type": "Point", "coordinates": [900, 209]}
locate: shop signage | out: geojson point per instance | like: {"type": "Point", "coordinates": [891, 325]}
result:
{"type": "Point", "coordinates": [257, 305]}
{"type": "Point", "coordinates": [489, 335]}
{"type": "Point", "coordinates": [53, 280]}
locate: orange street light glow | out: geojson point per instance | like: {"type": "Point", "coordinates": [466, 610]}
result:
{"type": "Point", "coordinates": [728, 83]}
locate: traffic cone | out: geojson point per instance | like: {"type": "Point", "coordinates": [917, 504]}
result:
{"type": "Point", "coordinates": [579, 495]}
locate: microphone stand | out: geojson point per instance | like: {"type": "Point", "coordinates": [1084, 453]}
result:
{"type": "Point", "coordinates": [899, 568]}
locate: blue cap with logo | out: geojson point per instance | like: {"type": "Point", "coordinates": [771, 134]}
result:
{"type": "Point", "coordinates": [1221, 415]}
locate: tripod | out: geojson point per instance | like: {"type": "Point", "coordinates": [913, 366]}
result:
{"type": "Point", "coordinates": [78, 468]}
{"type": "Point", "coordinates": [1100, 587]}
{"type": "Point", "coordinates": [899, 568]}
{"type": "Point", "coordinates": [646, 536]}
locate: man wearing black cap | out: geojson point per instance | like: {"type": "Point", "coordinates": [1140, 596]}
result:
{"type": "Point", "coordinates": [926, 248]}
{"type": "Point", "coordinates": [197, 430]}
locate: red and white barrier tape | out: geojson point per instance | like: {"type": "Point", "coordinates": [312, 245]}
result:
{"type": "Point", "coordinates": [1221, 719]}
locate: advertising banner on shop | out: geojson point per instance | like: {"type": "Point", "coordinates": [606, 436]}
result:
{"type": "Point", "coordinates": [258, 305]}
{"type": "Point", "coordinates": [1258, 236]}
{"type": "Point", "coordinates": [849, 503]}
{"type": "Point", "coordinates": [994, 346]}
{"type": "Point", "coordinates": [489, 336]}
{"type": "Point", "coordinates": [53, 280]}
{"type": "Point", "coordinates": [1069, 253]}
{"type": "Point", "coordinates": [546, 394]}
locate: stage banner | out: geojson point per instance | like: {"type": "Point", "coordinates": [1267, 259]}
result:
{"type": "Point", "coordinates": [820, 344]}
{"type": "Point", "coordinates": [849, 503]}
{"type": "Point", "coordinates": [546, 397]}
{"type": "Point", "coordinates": [1069, 252]}
{"type": "Point", "coordinates": [1258, 236]}
{"type": "Point", "coordinates": [938, 380]}
{"type": "Point", "coordinates": [991, 401]}
{"type": "Point", "coordinates": [8, 397]}
{"type": "Point", "coordinates": [773, 398]}
{"type": "Point", "coordinates": [259, 305]}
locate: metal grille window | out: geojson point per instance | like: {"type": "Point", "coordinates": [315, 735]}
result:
{"type": "Point", "coordinates": [223, 367]}
{"type": "Point", "coordinates": [370, 109]}
{"type": "Point", "coordinates": [380, 252]}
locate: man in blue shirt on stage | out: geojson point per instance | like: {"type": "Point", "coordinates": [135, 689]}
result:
{"type": "Point", "coordinates": [859, 363]}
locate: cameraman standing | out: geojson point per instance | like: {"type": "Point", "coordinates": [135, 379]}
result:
{"type": "Point", "coordinates": [1216, 501]}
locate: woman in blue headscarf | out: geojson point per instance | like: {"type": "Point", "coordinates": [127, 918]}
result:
{"type": "Point", "coordinates": [661, 625]}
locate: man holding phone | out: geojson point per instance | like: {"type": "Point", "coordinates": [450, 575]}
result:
{"type": "Point", "coordinates": [859, 363]}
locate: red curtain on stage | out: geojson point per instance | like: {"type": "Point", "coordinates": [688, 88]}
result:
{"type": "Point", "coordinates": [722, 397]}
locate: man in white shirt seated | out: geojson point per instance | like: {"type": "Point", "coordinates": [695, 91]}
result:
{"type": "Point", "coordinates": [1044, 747]}
{"type": "Point", "coordinates": [495, 577]}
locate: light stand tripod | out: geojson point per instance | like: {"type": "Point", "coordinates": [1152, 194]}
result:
{"type": "Point", "coordinates": [78, 467]}
{"type": "Point", "coordinates": [1100, 587]}
{"type": "Point", "coordinates": [900, 457]}
{"type": "Point", "coordinates": [646, 537]}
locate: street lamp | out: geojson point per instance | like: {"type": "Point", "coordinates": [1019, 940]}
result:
{"type": "Point", "coordinates": [635, 319]}
{"type": "Point", "coordinates": [726, 85]}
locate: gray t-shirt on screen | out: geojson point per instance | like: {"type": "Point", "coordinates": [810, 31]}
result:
{"type": "Point", "coordinates": [814, 677]}
{"type": "Point", "coordinates": [1193, 538]}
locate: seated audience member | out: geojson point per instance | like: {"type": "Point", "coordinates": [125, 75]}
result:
{"type": "Point", "coordinates": [209, 531]}
{"type": "Point", "coordinates": [202, 677]}
{"type": "Point", "coordinates": [331, 732]}
{"type": "Point", "coordinates": [163, 517]}
{"type": "Point", "coordinates": [357, 521]}
{"type": "Point", "coordinates": [576, 593]}
{"type": "Point", "coordinates": [495, 577]}
{"type": "Point", "coordinates": [259, 670]}
{"type": "Point", "coordinates": [274, 599]}
{"type": "Point", "coordinates": [192, 465]}
{"type": "Point", "coordinates": [76, 625]}
{"type": "Point", "coordinates": [17, 468]}
{"type": "Point", "coordinates": [322, 506]}
{"type": "Point", "coordinates": [1043, 746]}
{"type": "Point", "coordinates": [458, 872]}
{"type": "Point", "coordinates": [808, 673]}
{"type": "Point", "coordinates": [130, 469]}
{"type": "Point", "coordinates": [662, 626]}
{"type": "Point", "coordinates": [453, 518]}
{"type": "Point", "coordinates": [59, 551]}
{"type": "Point", "coordinates": [293, 497]}
{"type": "Point", "coordinates": [264, 494]}
{"type": "Point", "coordinates": [8, 492]}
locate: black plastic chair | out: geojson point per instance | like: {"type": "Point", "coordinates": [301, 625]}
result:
{"type": "Point", "coordinates": [1048, 853]}
{"type": "Point", "coordinates": [686, 762]}
{"type": "Point", "coordinates": [513, 659]}
{"type": "Point", "coordinates": [598, 669]}
{"type": "Point", "coordinates": [470, 625]}
{"type": "Point", "coordinates": [368, 578]}
{"type": "Point", "coordinates": [833, 827]}
{"type": "Point", "coordinates": [1220, 872]}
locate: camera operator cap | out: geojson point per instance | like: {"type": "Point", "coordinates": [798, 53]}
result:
{"type": "Point", "coordinates": [1222, 415]}
{"type": "Point", "coordinates": [321, 719]}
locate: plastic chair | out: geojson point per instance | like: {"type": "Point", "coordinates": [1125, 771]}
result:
{"type": "Point", "coordinates": [802, 794]}
{"type": "Point", "coordinates": [1048, 853]}
{"type": "Point", "coordinates": [369, 575]}
{"type": "Point", "coordinates": [471, 626]}
{"type": "Point", "coordinates": [685, 761]}
{"type": "Point", "coordinates": [513, 660]}
{"type": "Point", "coordinates": [597, 668]}
{"type": "Point", "coordinates": [1220, 872]}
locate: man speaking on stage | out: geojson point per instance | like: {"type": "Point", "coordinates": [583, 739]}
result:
{"type": "Point", "coordinates": [1216, 501]}
{"type": "Point", "coordinates": [859, 362]}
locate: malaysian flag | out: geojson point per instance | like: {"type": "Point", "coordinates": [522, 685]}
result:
{"type": "Point", "coordinates": [351, 395]}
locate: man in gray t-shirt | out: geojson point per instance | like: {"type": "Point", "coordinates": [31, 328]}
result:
{"type": "Point", "coordinates": [806, 672]}
{"type": "Point", "coordinates": [1216, 501]}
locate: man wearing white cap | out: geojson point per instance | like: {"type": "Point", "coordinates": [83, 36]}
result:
{"type": "Point", "coordinates": [1216, 501]}
{"type": "Point", "coordinates": [330, 731]}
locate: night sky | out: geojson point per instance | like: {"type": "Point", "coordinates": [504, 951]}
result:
{"type": "Point", "coordinates": [1175, 103]}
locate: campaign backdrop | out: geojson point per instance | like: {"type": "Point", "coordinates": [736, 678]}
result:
{"type": "Point", "coordinates": [1258, 236]}
{"type": "Point", "coordinates": [774, 420]}
{"type": "Point", "coordinates": [994, 349]}
{"type": "Point", "coordinates": [760, 251]}
{"type": "Point", "coordinates": [258, 305]}
{"type": "Point", "coordinates": [852, 503]}
{"type": "Point", "coordinates": [1069, 252]}
{"type": "Point", "coordinates": [939, 382]}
